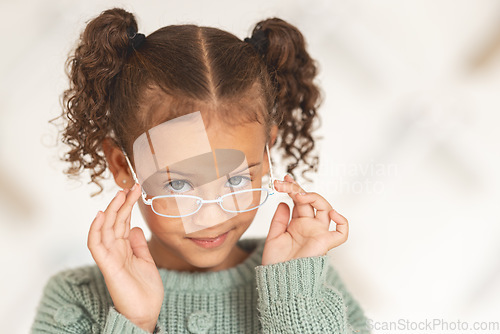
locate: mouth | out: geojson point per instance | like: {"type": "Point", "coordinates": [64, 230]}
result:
{"type": "Point", "coordinates": [209, 238]}
{"type": "Point", "coordinates": [211, 242]}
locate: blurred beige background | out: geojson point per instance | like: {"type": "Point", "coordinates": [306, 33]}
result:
{"type": "Point", "coordinates": [410, 152]}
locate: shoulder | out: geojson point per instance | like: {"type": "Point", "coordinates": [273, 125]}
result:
{"type": "Point", "coordinates": [68, 282]}
{"type": "Point", "coordinates": [74, 297]}
{"type": "Point", "coordinates": [332, 275]}
{"type": "Point", "coordinates": [76, 276]}
{"type": "Point", "coordinates": [355, 312]}
{"type": "Point", "coordinates": [333, 279]}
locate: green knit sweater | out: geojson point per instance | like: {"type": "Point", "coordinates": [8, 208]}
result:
{"type": "Point", "coordinates": [303, 295]}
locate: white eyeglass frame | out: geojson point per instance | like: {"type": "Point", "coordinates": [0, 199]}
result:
{"type": "Point", "coordinates": [201, 200]}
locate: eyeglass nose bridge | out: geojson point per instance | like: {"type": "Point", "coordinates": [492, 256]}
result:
{"type": "Point", "coordinates": [201, 202]}
{"type": "Point", "coordinates": [218, 200]}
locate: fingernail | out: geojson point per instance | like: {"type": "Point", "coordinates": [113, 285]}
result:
{"type": "Point", "coordinates": [135, 186]}
{"type": "Point", "coordinates": [290, 176]}
{"type": "Point", "coordinates": [98, 214]}
{"type": "Point", "coordinates": [302, 194]}
{"type": "Point", "coordinates": [117, 192]}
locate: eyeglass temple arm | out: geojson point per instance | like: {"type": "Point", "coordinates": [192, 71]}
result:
{"type": "Point", "coordinates": [135, 178]}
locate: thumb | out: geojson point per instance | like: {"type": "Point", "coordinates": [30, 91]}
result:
{"type": "Point", "coordinates": [139, 244]}
{"type": "Point", "coordinates": [279, 223]}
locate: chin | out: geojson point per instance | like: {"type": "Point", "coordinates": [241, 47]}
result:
{"type": "Point", "coordinates": [208, 262]}
{"type": "Point", "coordinates": [206, 259]}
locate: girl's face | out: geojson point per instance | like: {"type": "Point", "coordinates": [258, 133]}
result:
{"type": "Point", "coordinates": [173, 248]}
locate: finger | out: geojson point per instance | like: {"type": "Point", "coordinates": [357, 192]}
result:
{"type": "Point", "coordinates": [289, 178]}
{"type": "Point", "coordinates": [94, 237]}
{"type": "Point", "coordinates": [139, 244]}
{"type": "Point", "coordinates": [280, 220]}
{"type": "Point", "coordinates": [339, 236]}
{"type": "Point", "coordinates": [127, 229]}
{"type": "Point", "coordinates": [107, 231]}
{"type": "Point", "coordinates": [318, 202]}
{"type": "Point", "coordinates": [122, 221]}
{"type": "Point", "coordinates": [301, 209]}
{"type": "Point", "coordinates": [127, 223]}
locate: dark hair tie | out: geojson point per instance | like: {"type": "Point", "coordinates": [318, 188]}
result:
{"type": "Point", "coordinates": [259, 41]}
{"type": "Point", "coordinates": [135, 38]}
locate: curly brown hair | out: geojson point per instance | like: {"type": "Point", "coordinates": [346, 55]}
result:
{"type": "Point", "coordinates": [115, 90]}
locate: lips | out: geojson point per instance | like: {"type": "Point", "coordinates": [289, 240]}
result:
{"type": "Point", "coordinates": [208, 239]}
{"type": "Point", "coordinates": [212, 242]}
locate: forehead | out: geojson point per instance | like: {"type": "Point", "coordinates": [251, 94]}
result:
{"type": "Point", "coordinates": [187, 143]}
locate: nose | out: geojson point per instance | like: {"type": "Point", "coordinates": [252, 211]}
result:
{"type": "Point", "coordinates": [210, 214]}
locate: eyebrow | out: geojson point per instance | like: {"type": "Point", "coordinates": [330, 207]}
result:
{"type": "Point", "coordinates": [168, 171]}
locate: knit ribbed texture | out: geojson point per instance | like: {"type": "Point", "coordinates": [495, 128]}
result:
{"type": "Point", "coordinates": [298, 296]}
{"type": "Point", "coordinates": [116, 323]}
{"type": "Point", "coordinates": [300, 303]}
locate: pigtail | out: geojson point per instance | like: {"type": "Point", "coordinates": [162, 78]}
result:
{"type": "Point", "coordinates": [92, 69]}
{"type": "Point", "coordinates": [292, 72]}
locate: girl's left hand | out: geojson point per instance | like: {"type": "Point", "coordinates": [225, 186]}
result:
{"type": "Point", "coordinates": [307, 233]}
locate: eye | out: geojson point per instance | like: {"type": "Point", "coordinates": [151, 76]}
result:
{"type": "Point", "coordinates": [178, 186]}
{"type": "Point", "coordinates": [238, 181]}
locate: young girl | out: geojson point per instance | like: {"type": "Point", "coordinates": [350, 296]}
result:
{"type": "Point", "coordinates": [204, 101]}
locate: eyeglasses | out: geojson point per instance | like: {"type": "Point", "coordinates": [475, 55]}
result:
{"type": "Point", "coordinates": [177, 206]}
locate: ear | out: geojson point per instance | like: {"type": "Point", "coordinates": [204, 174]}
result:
{"type": "Point", "coordinates": [117, 163]}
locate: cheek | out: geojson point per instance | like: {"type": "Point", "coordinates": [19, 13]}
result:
{"type": "Point", "coordinates": [157, 224]}
{"type": "Point", "coordinates": [244, 219]}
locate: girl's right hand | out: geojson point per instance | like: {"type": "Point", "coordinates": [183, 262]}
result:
{"type": "Point", "coordinates": [123, 256]}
